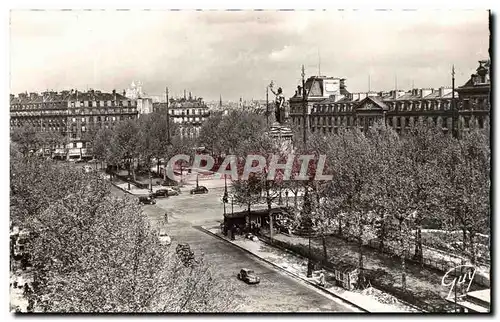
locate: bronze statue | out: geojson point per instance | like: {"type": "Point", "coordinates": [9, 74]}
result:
{"type": "Point", "coordinates": [279, 104]}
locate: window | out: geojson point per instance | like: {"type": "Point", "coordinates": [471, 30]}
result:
{"type": "Point", "coordinates": [83, 119]}
{"type": "Point", "coordinates": [480, 122]}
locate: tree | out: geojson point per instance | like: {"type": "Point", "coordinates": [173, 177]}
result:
{"type": "Point", "coordinates": [210, 134]}
{"type": "Point", "coordinates": [353, 167]}
{"type": "Point", "coordinates": [101, 145]}
{"type": "Point", "coordinates": [25, 138]}
{"type": "Point", "coordinates": [125, 143]}
{"type": "Point", "coordinates": [423, 145]}
{"type": "Point", "coordinates": [92, 252]}
{"type": "Point", "coordinates": [465, 192]}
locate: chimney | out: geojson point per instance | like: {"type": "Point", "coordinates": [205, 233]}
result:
{"type": "Point", "coordinates": [426, 92]}
{"type": "Point", "coordinates": [299, 90]}
{"type": "Point", "coordinates": [190, 97]}
{"type": "Point", "coordinates": [124, 92]}
{"type": "Point", "coordinates": [342, 83]}
{"type": "Point", "coordinates": [184, 94]}
{"type": "Point", "coordinates": [444, 91]}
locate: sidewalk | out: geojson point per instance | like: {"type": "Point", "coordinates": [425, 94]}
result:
{"type": "Point", "coordinates": [372, 300]}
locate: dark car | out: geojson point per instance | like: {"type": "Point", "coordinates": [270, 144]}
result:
{"type": "Point", "coordinates": [173, 191]}
{"type": "Point", "coordinates": [147, 200]}
{"type": "Point", "coordinates": [248, 276]}
{"type": "Point", "coordinates": [198, 190]}
{"type": "Point", "coordinates": [160, 193]}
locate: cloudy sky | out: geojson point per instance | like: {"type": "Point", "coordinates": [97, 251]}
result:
{"type": "Point", "coordinates": [238, 53]}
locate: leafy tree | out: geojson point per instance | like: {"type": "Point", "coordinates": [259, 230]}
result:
{"type": "Point", "coordinates": [101, 145]}
{"type": "Point", "coordinates": [422, 147]}
{"type": "Point", "coordinates": [125, 142]}
{"type": "Point", "coordinates": [25, 138]}
{"type": "Point", "coordinates": [210, 134]}
{"type": "Point", "coordinates": [92, 252]}
{"type": "Point", "coordinates": [465, 193]}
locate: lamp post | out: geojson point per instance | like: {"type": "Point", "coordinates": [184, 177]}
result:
{"type": "Point", "coordinates": [267, 106]}
{"type": "Point", "coordinates": [128, 177]}
{"type": "Point", "coordinates": [224, 199]}
{"type": "Point", "coordinates": [286, 195]}
{"type": "Point", "coordinates": [306, 209]}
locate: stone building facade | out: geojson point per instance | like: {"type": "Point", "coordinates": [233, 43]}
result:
{"type": "Point", "coordinates": [74, 114]}
{"type": "Point", "coordinates": [189, 112]}
{"type": "Point", "coordinates": [330, 110]}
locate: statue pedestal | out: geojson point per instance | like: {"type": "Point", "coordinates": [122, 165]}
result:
{"type": "Point", "coordinates": [282, 134]}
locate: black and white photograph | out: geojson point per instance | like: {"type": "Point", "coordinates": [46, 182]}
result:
{"type": "Point", "coordinates": [250, 161]}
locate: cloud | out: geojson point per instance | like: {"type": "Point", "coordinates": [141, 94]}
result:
{"type": "Point", "coordinates": [238, 53]}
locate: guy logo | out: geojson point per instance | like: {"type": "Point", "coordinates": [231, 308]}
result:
{"type": "Point", "coordinates": [457, 283]}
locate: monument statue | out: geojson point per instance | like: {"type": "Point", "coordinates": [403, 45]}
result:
{"type": "Point", "coordinates": [279, 110]}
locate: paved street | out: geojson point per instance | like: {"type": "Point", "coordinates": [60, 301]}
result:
{"type": "Point", "coordinates": [277, 291]}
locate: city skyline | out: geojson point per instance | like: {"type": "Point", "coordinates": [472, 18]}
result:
{"type": "Point", "coordinates": [236, 54]}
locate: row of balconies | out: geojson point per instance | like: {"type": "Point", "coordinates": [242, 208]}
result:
{"type": "Point", "coordinates": [400, 122]}
{"type": "Point", "coordinates": [71, 113]}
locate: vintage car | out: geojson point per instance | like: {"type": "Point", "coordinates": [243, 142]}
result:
{"type": "Point", "coordinates": [147, 200]}
{"type": "Point", "coordinates": [248, 276]}
{"type": "Point", "coordinates": [199, 190]}
{"type": "Point", "coordinates": [160, 193]}
{"type": "Point", "coordinates": [164, 238]}
{"type": "Point", "coordinates": [173, 191]}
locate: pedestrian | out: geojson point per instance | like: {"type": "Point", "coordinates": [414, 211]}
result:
{"type": "Point", "coordinates": [322, 281]}
{"type": "Point", "coordinates": [166, 218]}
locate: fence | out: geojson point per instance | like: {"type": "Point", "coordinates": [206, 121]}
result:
{"type": "Point", "coordinates": [132, 181]}
{"type": "Point", "coordinates": [345, 274]}
{"type": "Point", "coordinates": [441, 265]}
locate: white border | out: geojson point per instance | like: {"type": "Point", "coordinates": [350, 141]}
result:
{"type": "Point", "coordinates": [190, 4]}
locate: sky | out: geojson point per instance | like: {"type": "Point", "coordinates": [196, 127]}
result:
{"type": "Point", "coordinates": [237, 53]}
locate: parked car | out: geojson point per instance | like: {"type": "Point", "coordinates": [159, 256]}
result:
{"type": "Point", "coordinates": [160, 193]}
{"type": "Point", "coordinates": [199, 190]}
{"type": "Point", "coordinates": [147, 200]}
{"type": "Point", "coordinates": [248, 276]}
{"type": "Point", "coordinates": [164, 238]}
{"type": "Point", "coordinates": [173, 191]}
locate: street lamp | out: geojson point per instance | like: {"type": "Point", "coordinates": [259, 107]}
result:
{"type": "Point", "coordinates": [307, 227]}
{"type": "Point", "coordinates": [128, 177]}
{"type": "Point", "coordinates": [224, 199]}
